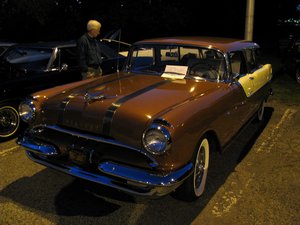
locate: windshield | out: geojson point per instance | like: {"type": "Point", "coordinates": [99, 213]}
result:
{"type": "Point", "coordinates": [191, 62]}
{"type": "Point", "coordinates": [35, 57]}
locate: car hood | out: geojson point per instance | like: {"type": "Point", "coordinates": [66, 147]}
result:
{"type": "Point", "coordinates": [120, 106]}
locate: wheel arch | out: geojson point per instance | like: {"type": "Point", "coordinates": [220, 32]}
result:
{"type": "Point", "coordinates": [11, 101]}
{"type": "Point", "coordinates": [213, 140]}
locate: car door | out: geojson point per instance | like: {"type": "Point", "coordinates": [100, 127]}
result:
{"type": "Point", "coordinates": [252, 77]}
{"type": "Point", "coordinates": [63, 68]}
{"type": "Point", "coordinates": [244, 80]}
{"type": "Point", "coordinates": [258, 74]}
{"type": "Point", "coordinates": [260, 77]}
{"type": "Point", "coordinates": [67, 65]}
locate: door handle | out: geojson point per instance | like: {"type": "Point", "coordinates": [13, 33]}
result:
{"type": "Point", "coordinates": [251, 78]}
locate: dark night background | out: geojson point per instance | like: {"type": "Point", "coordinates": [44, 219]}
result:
{"type": "Point", "coordinates": [52, 20]}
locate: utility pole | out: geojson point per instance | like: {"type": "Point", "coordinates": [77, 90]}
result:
{"type": "Point", "coordinates": [249, 20]}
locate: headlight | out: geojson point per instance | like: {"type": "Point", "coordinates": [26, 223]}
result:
{"type": "Point", "coordinates": [27, 111]}
{"type": "Point", "coordinates": [157, 139]}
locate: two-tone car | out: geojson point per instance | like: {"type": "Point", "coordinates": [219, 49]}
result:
{"type": "Point", "coordinates": [152, 128]}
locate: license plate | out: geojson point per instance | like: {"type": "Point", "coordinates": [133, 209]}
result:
{"type": "Point", "coordinates": [80, 156]}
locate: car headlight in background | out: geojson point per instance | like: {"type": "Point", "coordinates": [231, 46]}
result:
{"type": "Point", "coordinates": [27, 111]}
{"type": "Point", "coordinates": [157, 139]}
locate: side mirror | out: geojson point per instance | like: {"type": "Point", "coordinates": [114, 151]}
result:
{"type": "Point", "coordinates": [64, 67]}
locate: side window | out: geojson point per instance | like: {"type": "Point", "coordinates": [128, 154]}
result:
{"type": "Point", "coordinates": [188, 55]}
{"type": "Point", "coordinates": [66, 56]}
{"type": "Point", "coordinates": [207, 64]}
{"type": "Point", "coordinates": [69, 56]}
{"type": "Point", "coordinates": [237, 62]}
{"type": "Point", "coordinates": [142, 57]}
{"type": "Point", "coordinates": [252, 59]}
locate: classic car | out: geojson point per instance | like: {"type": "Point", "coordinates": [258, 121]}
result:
{"type": "Point", "coordinates": [291, 57]}
{"type": "Point", "coordinates": [26, 68]}
{"type": "Point", "coordinates": [150, 129]}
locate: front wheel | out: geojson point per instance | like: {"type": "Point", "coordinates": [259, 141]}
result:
{"type": "Point", "coordinates": [194, 186]}
{"type": "Point", "coordinates": [9, 121]}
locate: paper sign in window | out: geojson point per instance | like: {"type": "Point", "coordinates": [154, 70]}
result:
{"type": "Point", "coordinates": [175, 72]}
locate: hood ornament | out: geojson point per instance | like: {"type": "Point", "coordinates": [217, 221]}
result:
{"type": "Point", "coordinates": [98, 96]}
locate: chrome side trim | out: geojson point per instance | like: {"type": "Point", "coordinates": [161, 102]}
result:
{"type": "Point", "coordinates": [153, 163]}
{"type": "Point", "coordinates": [156, 186]}
{"type": "Point", "coordinates": [144, 177]}
{"type": "Point", "coordinates": [38, 147]}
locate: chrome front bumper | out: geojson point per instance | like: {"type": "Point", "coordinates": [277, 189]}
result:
{"type": "Point", "coordinates": [125, 178]}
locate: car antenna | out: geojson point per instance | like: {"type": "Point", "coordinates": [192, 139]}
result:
{"type": "Point", "coordinates": [119, 46]}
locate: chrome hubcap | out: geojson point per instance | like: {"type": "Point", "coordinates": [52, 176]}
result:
{"type": "Point", "coordinates": [200, 167]}
{"type": "Point", "coordinates": [9, 121]}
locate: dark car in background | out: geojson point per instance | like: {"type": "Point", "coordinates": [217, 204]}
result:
{"type": "Point", "coordinates": [291, 57]}
{"type": "Point", "coordinates": [26, 68]}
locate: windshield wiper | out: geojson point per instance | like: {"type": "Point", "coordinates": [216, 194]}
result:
{"type": "Point", "coordinates": [171, 72]}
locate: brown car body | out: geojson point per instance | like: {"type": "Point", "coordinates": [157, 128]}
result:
{"type": "Point", "coordinates": [97, 129]}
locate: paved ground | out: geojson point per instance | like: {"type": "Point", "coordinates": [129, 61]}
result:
{"type": "Point", "coordinates": [258, 182]}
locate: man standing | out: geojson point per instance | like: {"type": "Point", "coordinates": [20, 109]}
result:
{"type": "Point", "coordinates": [90, 52]}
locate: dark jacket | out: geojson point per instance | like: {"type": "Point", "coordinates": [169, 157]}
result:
{"type": "Point", "coordinates": [89, 52]}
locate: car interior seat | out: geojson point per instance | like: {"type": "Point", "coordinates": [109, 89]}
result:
{"type": "Point", "coordinates": [187, 58]}
{"type": "Point", "coordinates": [235, 64]}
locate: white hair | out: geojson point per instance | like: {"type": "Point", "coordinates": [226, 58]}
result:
{"type": "Point", "coordinates": [93, 25]}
